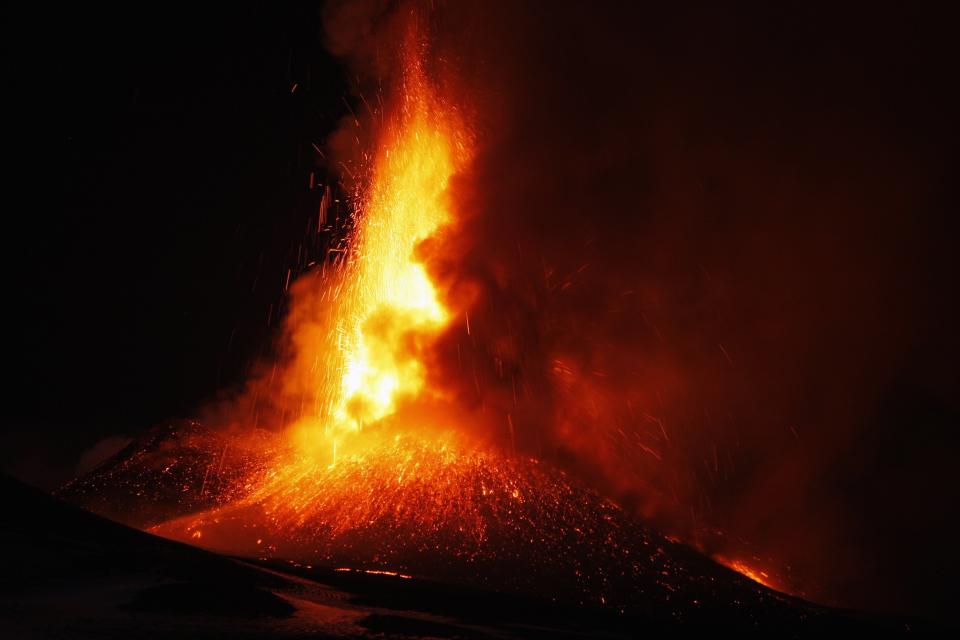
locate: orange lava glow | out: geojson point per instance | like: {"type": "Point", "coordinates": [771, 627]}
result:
{"type": "Point", "coordinates": [360, 333]}
{"type": "Point", "coordinates": [367, 438]}
{"type": "Point", "coordinates": [753, 572]}
{"type": "Point", "coordinates": [379, 466]}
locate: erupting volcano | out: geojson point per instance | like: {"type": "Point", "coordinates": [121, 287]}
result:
{"type": "Point", "coordinates": [377, 466]}
{"type": "Point", "coordinates": [548, 338]}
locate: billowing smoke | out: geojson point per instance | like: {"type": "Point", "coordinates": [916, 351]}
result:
{"type": "Point", "coordinates": [699, 264]}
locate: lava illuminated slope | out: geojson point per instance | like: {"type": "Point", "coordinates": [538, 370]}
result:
{"type": "Point", "coordinates": [77, 575]}
{"type": "Point", "coordinates": [427, 508]}
{"type": "Point", "coordinates": [175, 468]}
{"type": "Point", "coordinates": [441, 511]}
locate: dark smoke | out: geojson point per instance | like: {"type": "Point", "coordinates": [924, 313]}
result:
{"type": "Point", "coordinates": [712, 268]}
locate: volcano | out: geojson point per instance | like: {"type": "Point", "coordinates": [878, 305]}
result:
{"type": "Point", "coordinates": [427, 513]}
{"type": "Point", "coordinates": [76, 574]}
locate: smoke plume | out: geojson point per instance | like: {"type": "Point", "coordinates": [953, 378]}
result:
{"type": "Point", "coordinates": [700, 264]}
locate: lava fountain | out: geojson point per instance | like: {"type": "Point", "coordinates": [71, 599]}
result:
{"type": "Point", "coordinates": [359, 344]}
{"type": "Point", "coordinates": [368, 422]}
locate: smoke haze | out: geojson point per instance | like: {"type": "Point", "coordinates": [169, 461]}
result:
{"type": "Point", "coordinates": [702, 263]}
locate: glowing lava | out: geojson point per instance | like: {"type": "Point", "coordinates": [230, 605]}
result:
{"type": "Point", "coordinates": [753, 572]}
{"type": "Point", "coordinates": [375, 473]}
{"type": "Point", "coordinates": [359, 344]}
{"type": "Point", "coordinates": [439, 508]}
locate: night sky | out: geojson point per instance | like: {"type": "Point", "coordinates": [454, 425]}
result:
{"type": "Point", "coordinates": [157, 190]}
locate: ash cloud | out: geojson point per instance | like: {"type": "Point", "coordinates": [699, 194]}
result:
{"type": "Point", "coordinates": [708, 267]}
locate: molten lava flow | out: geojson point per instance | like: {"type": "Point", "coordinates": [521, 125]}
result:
{"type": "Point", "coordinates": [753, 572]}
{"type": "Point", "coordinates": [365, 354]}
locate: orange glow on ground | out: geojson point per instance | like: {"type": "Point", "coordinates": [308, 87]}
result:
{"type": "Point", "coordinates": [753, 572]}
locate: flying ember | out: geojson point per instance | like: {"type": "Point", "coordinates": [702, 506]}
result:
{"type": "Point", "coordinates": [364, 356]}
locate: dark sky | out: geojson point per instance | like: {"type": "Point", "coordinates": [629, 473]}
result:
{"type": "Point", "coordinates": [157, 188]}
{"type": "Point", "coordinates": [157, 193]}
